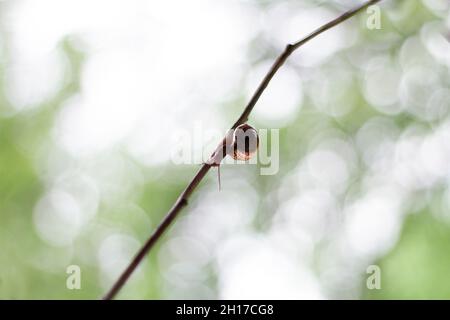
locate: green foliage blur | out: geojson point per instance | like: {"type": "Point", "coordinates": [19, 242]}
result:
{"type": "Point", "coordinates": [417, 265]}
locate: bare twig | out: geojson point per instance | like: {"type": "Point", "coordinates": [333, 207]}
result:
{"type": "Point", "coordinates": [218, 155]}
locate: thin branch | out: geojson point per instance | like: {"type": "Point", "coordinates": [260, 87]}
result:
{"type": "Point", "coordinates": [218, 154]}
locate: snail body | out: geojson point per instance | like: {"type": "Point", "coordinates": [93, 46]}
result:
{"type": "Point", "coordinates": [241, 144]}
{"type": "Point", "coordinates": [245, 142]}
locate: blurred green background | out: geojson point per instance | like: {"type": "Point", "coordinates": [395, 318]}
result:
{"type": "Point", "coordinates": [91, 93]}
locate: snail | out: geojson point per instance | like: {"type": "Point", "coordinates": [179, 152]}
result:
{"type": "Point", "coordinates": [243, 145]}
{"type": "Point", "coordinates": [245, 142]}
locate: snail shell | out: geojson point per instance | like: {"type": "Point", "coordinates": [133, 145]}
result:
{"type": "Point", "coordinates": [245, 142]}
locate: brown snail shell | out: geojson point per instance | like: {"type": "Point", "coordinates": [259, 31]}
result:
{"type": "Point", "coordinates": [245, 142]}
